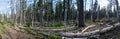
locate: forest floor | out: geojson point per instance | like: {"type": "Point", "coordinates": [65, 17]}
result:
{"type": "Point", "coordinates": [12, 33]}
{"type": "Point", "coordinates": [113, 34]}
{"type": "Point", "coordinates": [16, 32]}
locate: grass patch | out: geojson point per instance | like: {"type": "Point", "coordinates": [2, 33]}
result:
{"type": "Point", "coordinates": [27, 24]}
{"type": "Point", "coordinates": [33, 32]}
{"type": "Point", "coordinates": [5, 24]}
{"type": "Point", "coordinates": [54, 37]}
{"type": "Point", "coordinates": [2, 29]}
{"type": "Point", "coordinates": [2, 26]}
{"type": "Point", "coordinates": [88, 22]}
{"type": "Point", "coordinates": [29, 31]}
{"type": "Point", "coordinates": [55, 25]}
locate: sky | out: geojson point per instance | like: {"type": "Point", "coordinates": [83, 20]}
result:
{"type": "Point", "coordinates": [5, 4]}
{"type": "Point", "coordinates": [102, 3]}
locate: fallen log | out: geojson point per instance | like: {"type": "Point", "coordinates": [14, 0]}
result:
{"type": "Point", "coordinates": [84, 34]}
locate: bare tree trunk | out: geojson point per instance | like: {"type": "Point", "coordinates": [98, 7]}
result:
{"type": "Point", "coordinates": [80, 5]}
{"type": "Point", "coordinates": [24, 11]}
{"type": "Point", "coordinates": [33, 17]}
{"type": "Point", "coordinates": [16, 12]}
{"type": "Point", "coordinates": [91, 17]}
{"type": "Point", "coordinates": [20, 14]}
{"type": "Point", "coordinates": [117, 10]}
{"type": "Point", "coordinates": [92, 12]}
{"type": "Point", "coordinates": [41, 17]}
{"type": "Point", "coordinates": [85, 10]}
{"type": "Point", "coordinates": [98, 13]}
{"type": "Point", "coordinates": [65, 13]}
{"type": "Point", "coordinates": [12, 11]}
{"type": "Point", "coordinates": [107, 13]}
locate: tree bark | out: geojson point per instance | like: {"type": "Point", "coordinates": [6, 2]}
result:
{"type": "Point", "coordinates": [98, 13]}
{"type": "Point", "coordinates": [91, 12]}
{"type": "Point", "coordinates": [85, 10]}
{"type": "Point", "coordinates": [80, 12]}
{"type": "Point", "coordinates": [117, 10]}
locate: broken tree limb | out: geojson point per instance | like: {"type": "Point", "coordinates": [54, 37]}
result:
{"type": "Point", "coordinates": [88, 28]}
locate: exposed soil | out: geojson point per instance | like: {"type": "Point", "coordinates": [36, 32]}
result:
{"type": "Point", "coordinates": [11, 33]}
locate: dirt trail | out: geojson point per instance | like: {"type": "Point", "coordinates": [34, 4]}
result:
{"type": "Point", "coordinates": [11, 33]}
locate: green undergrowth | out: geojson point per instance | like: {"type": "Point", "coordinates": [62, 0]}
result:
{"type": "Point", "coordinates": [55, 25]}
{"type": "Point", "coordinates": [33, 32]}
{"type": "Point", "coordinates": [3, 25]}
{"type": "Point", "coordinates": [88, 22]}
{"type": "Point", "coordinates": [2, 29]}
{"type": "Point", "coordinates": [27, 24]}
{"type": "Point", "coordinates": [54, 37]}
{"type": "Point", "coordinates": [30, 31]}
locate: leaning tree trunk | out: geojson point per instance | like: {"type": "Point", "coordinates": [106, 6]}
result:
{"type": "Point", "coordinates": [80, 12]}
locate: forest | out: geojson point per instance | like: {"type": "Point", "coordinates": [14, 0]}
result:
{"type": "Point", "coordinates": [61, 19]}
